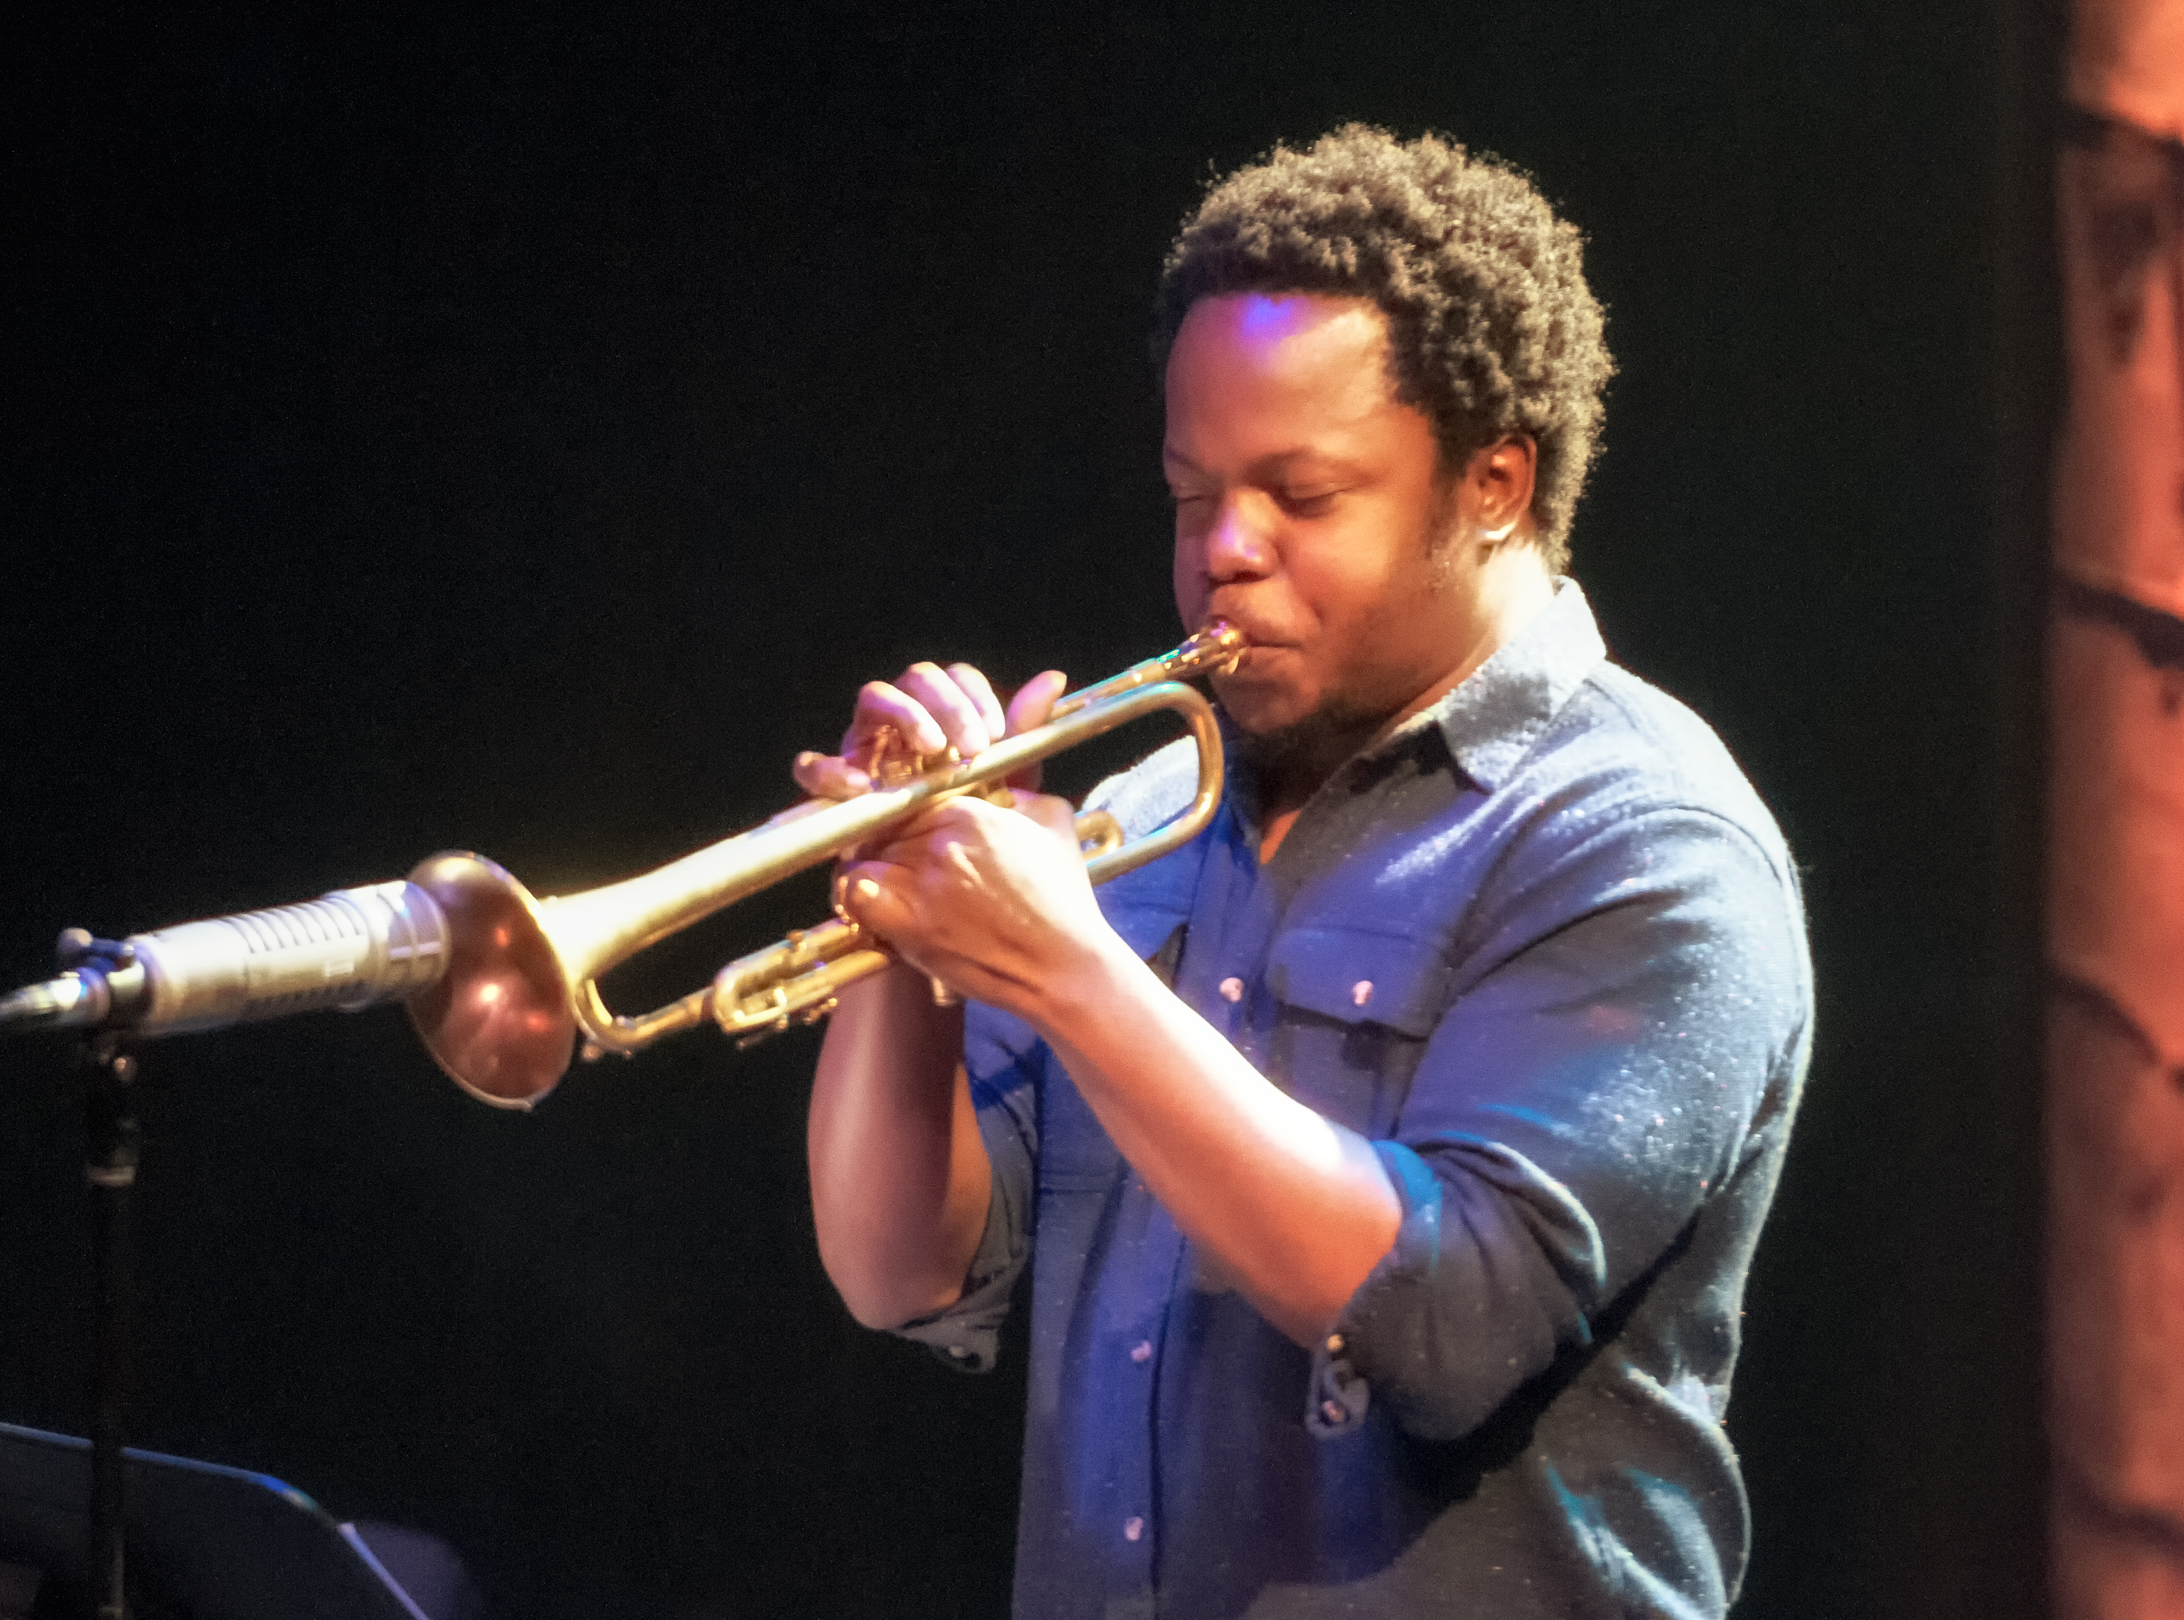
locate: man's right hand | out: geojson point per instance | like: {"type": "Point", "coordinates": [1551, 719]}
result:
{"type": "Point", "coordinates": [930, 709]}
{"type": "Point", "coordinates": [899, 1176]}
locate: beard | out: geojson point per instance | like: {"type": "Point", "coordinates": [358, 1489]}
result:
{"type": "Point", "coordinates": [1306, 752]}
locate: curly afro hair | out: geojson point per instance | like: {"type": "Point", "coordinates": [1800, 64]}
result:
{"type": "Point", "coordinates": [1491, 327]}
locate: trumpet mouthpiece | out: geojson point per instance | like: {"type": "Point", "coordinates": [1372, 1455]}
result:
{"type": "Point", "coordinates": [1213, 649]}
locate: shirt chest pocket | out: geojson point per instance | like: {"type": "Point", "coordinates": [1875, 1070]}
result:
{"type": "Point", "coordinates": [1357, 1008]}
{"type": "Point", "coordinates": [1358, 977]}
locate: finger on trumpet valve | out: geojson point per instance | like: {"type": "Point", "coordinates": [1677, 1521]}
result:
{"type": "Point", "coordinates": [895, 763]}
{"type": "Point", "coordinates": [880, 760]}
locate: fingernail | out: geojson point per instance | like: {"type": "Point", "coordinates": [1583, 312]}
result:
{"type": "Point", "coordinates": [805, 758]}
{"type": "Point", "coordinates": [866, 889]}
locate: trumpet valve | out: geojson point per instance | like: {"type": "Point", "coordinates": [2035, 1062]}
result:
{"type": "Point", "coordinates": [894, 763]}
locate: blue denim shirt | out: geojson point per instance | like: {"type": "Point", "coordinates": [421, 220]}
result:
{"type": "Point", "coordinates": [1544, 947]}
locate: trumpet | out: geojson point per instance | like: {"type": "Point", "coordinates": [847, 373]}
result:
{"type": "Point", "coordinates": [525, 972]}
{"type": "Point", "coordinates": [499, 983]}
{"type": "Point", "coordinates": [523, 975]}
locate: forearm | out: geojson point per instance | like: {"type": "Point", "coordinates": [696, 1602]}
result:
{"type": "Point", "coordinates": [899, 1176]}
{"type": "Point", "coordinates": [1297, 1209]}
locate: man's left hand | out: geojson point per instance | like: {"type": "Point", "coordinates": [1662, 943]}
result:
{"type": "Point", "coordinates": [993, 903]}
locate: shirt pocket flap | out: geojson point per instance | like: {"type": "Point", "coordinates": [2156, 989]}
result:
{"type": "Point", "coordinates": [1361, 978]}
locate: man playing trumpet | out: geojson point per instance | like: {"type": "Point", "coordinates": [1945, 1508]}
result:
{"type": "Point", "coordinates": [1392, 1154]}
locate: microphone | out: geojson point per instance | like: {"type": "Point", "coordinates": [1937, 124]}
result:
{"type": "Point", "coordinates": [349, 949]}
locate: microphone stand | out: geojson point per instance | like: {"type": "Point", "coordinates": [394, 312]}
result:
{"type": "Point", "coordinates": [349, 948]}
{"type": "Point", "coordinates": [110, 1166]}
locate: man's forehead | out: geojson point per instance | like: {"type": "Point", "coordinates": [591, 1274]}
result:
{"type": "Point", "coordinates": [1266, 322]}
{"type": "Point", "coordinates": [1271, 317]}
{"type": "Point", "coordinates": [1295, 366]}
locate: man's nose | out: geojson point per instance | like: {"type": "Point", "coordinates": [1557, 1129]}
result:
{"type": "Point", "coordinates": [1237, 546]}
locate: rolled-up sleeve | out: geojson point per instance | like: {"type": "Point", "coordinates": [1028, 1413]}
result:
{"type": "Point", "coordinates": [1612, 1061]}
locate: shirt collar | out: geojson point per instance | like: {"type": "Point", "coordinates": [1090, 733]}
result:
{"type": "Point", "coordinates": [1498, 711]}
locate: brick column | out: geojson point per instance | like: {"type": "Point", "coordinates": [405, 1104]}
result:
{"type": "Point", "coordinates": [2116, 830]}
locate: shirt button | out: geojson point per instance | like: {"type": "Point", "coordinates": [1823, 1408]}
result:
{"type": "Point", "coordinates": [1142, 1350]}
{"type": "Point", "coordinates": [1132, 1528]}
{"type": "Point", "coordinates": [1361, 992]}
{"type": "Point", "coordinates": [1232, 989]}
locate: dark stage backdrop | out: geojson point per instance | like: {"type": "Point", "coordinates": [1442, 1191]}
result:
{"type": "Point", "coordinates": [521, 427]}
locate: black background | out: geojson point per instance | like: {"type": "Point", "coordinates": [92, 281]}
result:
{"type": "Point", "coordinates": [521, 427]}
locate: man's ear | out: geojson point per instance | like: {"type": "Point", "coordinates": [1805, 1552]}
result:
{"type": "Point", "coordinates": [1498, 487]}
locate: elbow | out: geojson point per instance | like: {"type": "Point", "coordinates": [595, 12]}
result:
{"type": "Point", "coordinates": [881, 1297]}
{"type": "Point", "coordinates": [872, 1311]}
{"type": "Point", "coordinates": [863, 1287]}
{"type": "Point", "coordinates": [885, 1310]}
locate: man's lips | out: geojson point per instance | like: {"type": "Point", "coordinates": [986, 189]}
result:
{"type": "Point", "coordinates": [1256, 637]}
{"type": "Point", "coordinates": [1254, 661]}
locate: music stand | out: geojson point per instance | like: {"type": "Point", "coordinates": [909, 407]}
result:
{"type": "Point", "coordinates": [205, 1542]}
